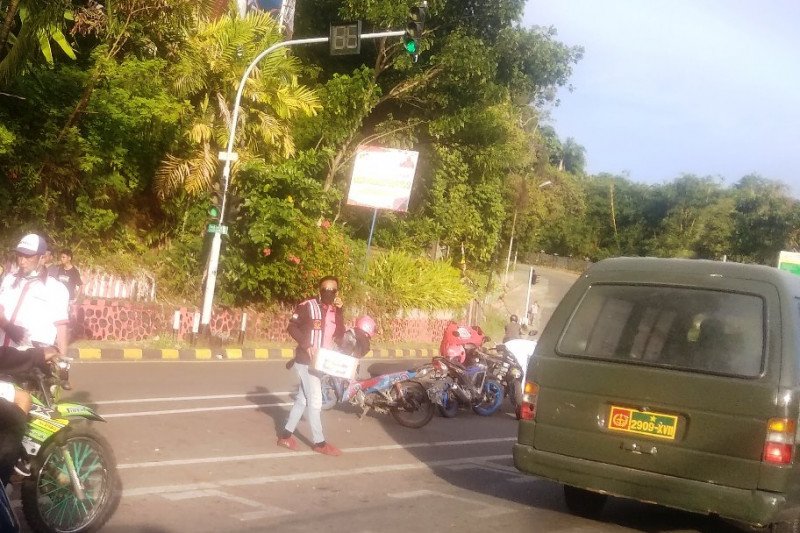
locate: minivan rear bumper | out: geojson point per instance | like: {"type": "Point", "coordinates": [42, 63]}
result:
{"type": "Point", "coordinates": [750, 506]}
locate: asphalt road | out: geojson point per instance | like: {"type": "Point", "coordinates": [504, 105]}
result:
{"type": "Point", "coordinates": [195, 443]}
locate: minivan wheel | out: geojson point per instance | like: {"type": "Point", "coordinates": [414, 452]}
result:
{"type": "Point", "coordinates": [785, 527]}
{"type": "Point", "coordinates": [583, 502]}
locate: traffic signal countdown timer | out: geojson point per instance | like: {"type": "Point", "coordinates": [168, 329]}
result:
{"type": "Point", "coordinates": [345, 38]}
{"type": "Point", "coordinates": [414, 28]}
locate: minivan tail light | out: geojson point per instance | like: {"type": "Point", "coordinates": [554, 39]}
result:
{"type": "Point", "coordinates": [779, 444]}
{"type": "Point", "coordinates": [527, 409]}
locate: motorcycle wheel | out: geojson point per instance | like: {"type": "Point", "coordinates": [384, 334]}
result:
{"type": "Point", "coordinates": [492, 398]}
{"type": "Point", "coordinates": [48, 500]}
{"type": "Point", "coordinates": [415, 409]}
{"type": "Point", "coordinates": [450, 407]}
{"type": "Point", "coordinates": [329, 397]}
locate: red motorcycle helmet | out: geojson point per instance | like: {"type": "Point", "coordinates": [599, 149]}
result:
{"type": "Point", "coordinates": [366, 324]}
{"type": "Point", "coordinates": [456, 352]}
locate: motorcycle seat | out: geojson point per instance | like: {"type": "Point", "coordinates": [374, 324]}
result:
{"type": "Point", "coordinates": [379, 369]}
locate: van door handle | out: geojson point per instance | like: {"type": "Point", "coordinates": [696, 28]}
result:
{"type": "Point", "coordinates": [637, 448]}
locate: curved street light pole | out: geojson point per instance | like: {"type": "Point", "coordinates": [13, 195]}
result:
{"type": "Point", "coordinates": [229, 156]}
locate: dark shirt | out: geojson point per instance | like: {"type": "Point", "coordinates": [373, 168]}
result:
{"type": "Point", "coordinates": [14, 362]}
{"type": "Point", "coordinates": [71, 278]}
{"type": "Point", "coordinates": [513, 331]}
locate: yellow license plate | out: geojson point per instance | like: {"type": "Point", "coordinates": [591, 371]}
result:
{"type": "Point", "coordinates": [648, 423]}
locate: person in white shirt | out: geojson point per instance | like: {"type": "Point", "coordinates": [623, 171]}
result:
{"type": "Point", "coordinates": [33, 307]}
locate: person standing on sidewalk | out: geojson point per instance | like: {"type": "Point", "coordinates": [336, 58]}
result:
{"type": "Point", "coordinates": [316, 323]}
{"type": "Point", "coordinates": [67, 274]}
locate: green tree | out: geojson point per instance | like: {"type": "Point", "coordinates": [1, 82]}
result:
{"type": "Point", "coordinates": [207, 74]}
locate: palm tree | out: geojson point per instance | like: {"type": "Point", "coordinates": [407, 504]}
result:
{"type": "Point", "coordinates": [573, 158]}
{"type": "Point", "coordinates": [36, 25]}
{"type": "Point", "coordinates": [207, 74]}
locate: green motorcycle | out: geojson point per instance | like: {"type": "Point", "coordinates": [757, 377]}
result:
{"type": "Point", "coordinates": [74, 486]}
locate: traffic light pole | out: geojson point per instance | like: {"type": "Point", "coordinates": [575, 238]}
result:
{"type": "Point", "coordinates": [229, 156]}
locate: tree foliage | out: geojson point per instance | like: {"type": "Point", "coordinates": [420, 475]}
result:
{"type": "Point", "coordinates": [115, 153]}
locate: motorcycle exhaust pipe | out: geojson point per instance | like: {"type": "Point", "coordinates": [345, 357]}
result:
{"type": "Point", "coordinates": [461, 394]}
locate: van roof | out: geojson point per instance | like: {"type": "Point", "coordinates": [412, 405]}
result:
{"type": "Point", "coordinates": [661, 269]}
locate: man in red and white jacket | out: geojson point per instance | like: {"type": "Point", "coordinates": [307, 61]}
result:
{"type": "Point", "coordinates": [316, 323]}
{"type": "Point", "coordinates": [33, 307]}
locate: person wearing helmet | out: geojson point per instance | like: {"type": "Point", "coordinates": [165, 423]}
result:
{"type": "Point", "coordinates": [33, 306]}
{"type": "Point", "coordinates": [513, 329]}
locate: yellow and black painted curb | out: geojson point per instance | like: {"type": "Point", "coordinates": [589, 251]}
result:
{"type": "Point", "coordinates": [211, 354]}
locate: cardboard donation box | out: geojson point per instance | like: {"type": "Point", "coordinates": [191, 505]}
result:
{"type": "Point", "coordinates": [335, 364]}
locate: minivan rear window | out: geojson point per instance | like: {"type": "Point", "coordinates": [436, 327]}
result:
{"type": "Point", "coordinates": [691, 329]}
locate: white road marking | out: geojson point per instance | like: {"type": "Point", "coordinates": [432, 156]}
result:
{"type": "Point", "coordinates": [305, 476]}
{"type": "Point", "coordinates": [517, 476]}
{"type": "Point", "coordinates": [263, 511]}
{"type": "Point", "coordinates": [480, 507]}
{"type": "Point", "coordinates": [267, 512]}
{"type": "Point", "coordinates": [195, 410]}
{"type": "Point", "coordinates": [192, 398]}
{"type": "Point", "coordinates": [281, 455]}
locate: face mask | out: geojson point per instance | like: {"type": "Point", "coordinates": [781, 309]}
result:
{"type": "Point", "coordinates": [327, 295]}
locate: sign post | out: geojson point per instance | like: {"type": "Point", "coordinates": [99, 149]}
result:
{"type": "Point", "coordinates": [382, 179]}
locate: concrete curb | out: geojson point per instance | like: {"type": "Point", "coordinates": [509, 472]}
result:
{"type": "Point", "coordinates": [208, 354]}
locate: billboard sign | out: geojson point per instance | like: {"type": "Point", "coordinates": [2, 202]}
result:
{"type": "Point", "coordinates": [382, 178]}
{"type": "Point", "coordinates": [789, 261]}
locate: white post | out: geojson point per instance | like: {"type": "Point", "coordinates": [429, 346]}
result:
{"type": "Point", "coordinates": [228, 156]}
{"type": "Point", "coordinates": [510, 243]}
{"type": "Point", "coordinates": [528, 296]}
{"type": "Point", "coordinates": [176, 322]}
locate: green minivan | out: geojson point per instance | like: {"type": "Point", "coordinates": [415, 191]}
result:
{"type": "Point", "coordinates": [671, 381]}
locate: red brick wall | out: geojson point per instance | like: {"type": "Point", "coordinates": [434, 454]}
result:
{"type": "Point", "coordinates": [130, 321]}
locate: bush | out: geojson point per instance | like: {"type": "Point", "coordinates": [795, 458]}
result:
{"type": "Point", "coordinates": [397, 281]}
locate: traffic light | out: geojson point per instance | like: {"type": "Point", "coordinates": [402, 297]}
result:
{"type": "Point", "coordinates": [215, 204]}
{"type": "Point", "coordinates": [414, 28]}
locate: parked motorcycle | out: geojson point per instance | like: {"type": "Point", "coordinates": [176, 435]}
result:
{"type": "Point", "coordinates": [466, 385]}
{"type": "Point", "coordinates": [399, 393]}
{"type": "Point", "coordinates": [74, 485]}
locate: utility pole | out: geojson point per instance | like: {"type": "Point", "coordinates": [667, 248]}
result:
{"type": "Point", "coordinates": [511, 239]}
{"type": "Point", "coordinates": [344, 39]}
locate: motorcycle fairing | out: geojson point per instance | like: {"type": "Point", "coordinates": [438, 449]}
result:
{"type": "Point", "coordinates": [376, 384]}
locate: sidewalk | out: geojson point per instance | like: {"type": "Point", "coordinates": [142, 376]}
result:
{"type": "Point", "coordinates": [209, 354]}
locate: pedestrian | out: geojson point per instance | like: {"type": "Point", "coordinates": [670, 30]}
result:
{"type": "Point", "coordinates": [47, 263]}
{"type": "Point", "coordinates": [316, 323]}
{"type": "Point", "coordinates": [33, 306]}
{"type": "Point", "coordinates": [533, 312]}
{"type": "Point", "coordinates": [69, 275]}
{"type": "Point", "coordinates": [513, 329]}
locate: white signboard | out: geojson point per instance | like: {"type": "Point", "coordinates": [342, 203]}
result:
{"type": "Point", "coordinates": [382, 178]}
{"type": "Point", "coordinates": [335, 363]}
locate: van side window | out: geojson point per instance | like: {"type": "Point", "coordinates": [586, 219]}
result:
{"type": "Point", "coordinates": [692, 329]}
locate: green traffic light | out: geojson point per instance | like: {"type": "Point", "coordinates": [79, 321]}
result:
{"type": "Point", "coordinates": [410, 46]}
{"type": "Point", "coordinates": [213, 211]}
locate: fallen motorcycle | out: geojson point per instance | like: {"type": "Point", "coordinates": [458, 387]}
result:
{"type": "Point", "coordinates": [399, 393]}
{"type": "Point", "coordinates": [469, 385]}
{"type": "Point", "coordinates": [74, 485]}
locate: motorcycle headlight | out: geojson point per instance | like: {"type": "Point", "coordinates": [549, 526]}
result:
{"type": "Point", "coordinates": [515, 373]}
